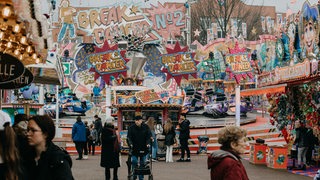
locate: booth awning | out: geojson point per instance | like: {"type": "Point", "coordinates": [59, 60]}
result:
{"type": "Point", "coordinates": [264, 90]}
{"type": "Point", "coordinates": [46, 73]}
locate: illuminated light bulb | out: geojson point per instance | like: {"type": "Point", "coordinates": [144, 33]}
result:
{"type": "Point", "coordinates": [16, 52]}
{"type": "Point", "coordinates": [21, 57]}
{"type": "Point", "coordinates": [6, 12]}
{"type": "Point", "coordinates": [9, 45]}
{"type": "Point", "coordinates": [29, 49]}
{"type": "Point", "coordinates": [34, 56]}
{"type": "Point", "coordinates": [16, 28]}
{"type": "Point", "coordinates": [23, 40]}
{"type": "Point", "coordinates": [1, 35]}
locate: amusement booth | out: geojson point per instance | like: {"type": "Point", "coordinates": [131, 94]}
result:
{"type": "Point", "coordinates": [290, 82]}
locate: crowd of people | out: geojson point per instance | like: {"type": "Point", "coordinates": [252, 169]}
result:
{"type": "Point", "coordinates": [28, 152]}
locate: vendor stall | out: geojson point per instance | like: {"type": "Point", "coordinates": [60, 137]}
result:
{"type": "Point", "coordinates": [291, 83]}
{"type": "Point", "coordinates": [132, 100]}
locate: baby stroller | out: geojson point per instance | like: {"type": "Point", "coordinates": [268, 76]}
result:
{"type": "Point", "coordinates": [162, 148]}
{"type": "Point", "coordinates": [134, 172]}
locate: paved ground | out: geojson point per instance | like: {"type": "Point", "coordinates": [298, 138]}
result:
{"type": "Point", "coordinates": [196, 170]}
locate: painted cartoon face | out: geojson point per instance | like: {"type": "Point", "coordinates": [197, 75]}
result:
{"type": "Point", "coordinates": [309, 36]}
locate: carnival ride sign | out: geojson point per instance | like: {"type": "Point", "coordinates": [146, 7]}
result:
{"type": "Point", "coordinates": [168, 19]}
{"type": "Point", "coordinates": [107, 61]}
{"type": "Point", "coordinates": [239, 63]}
{"type": "Point", "coordinates": [10, 68]}
{"type": "Point", "coordinates": [179, 63]}
{"type": "Point", "coordinates": [293, 72]}
{"type": "Point", "coordinates": [112, 21]}
{"type": "Point", "coordinates": [147, 96]}
{"type": "Point", "coordinates": [284, 74]}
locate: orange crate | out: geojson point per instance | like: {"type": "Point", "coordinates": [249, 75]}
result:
{"type": "Point", "coordinates": [258, 153]}
{"type": "Point", "coordinates": [277, 157]}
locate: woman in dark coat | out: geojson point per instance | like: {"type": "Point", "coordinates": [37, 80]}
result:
{"type": "Point", "coordinates": [110, 151]}
{"type": "Point", "coordinates": [49, 161]}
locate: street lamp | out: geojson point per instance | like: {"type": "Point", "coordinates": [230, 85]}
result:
{"type": "Point", "coordinates": [187, 5]}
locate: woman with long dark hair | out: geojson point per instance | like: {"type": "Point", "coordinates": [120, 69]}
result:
{"type": "Point", "coordinates": [49, 161]}
{"type": "Point", "coordinates": [9, 153]}
{"type": "Point", "coordinates": [170, 136]}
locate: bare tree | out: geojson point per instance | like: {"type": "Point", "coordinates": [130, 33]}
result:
{"type": "Point", "coordinates": [205, 12]}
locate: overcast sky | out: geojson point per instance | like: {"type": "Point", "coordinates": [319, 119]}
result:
{"type": "Point", "coordinates": [282, 5]}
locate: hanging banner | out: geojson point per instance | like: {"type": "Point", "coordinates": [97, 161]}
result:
{"type": "Point", "coordinates": [24, 80]}
{"type": "Point", "coordinates": [10, 68]}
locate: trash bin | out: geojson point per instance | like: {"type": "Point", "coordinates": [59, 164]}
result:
{"type": "Point", "coordinates": [203, 142]}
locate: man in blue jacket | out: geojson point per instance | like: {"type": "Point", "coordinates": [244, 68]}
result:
{"type": "Point", "coordinates": [79, 136]}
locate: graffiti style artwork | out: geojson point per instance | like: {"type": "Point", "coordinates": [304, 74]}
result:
{"type": "Point", "coordinates": [66, 14]}
{"type": "Point", "coordinates": [167, 19]}
{"type": "Point", "coordinates": [105, 23]}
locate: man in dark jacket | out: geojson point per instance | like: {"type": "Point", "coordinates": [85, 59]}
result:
{"type": "Point", "coordinates": [301, 143]}
{"type": "Point", "coordinates": [79, 136]}
{"type": "Point", "coordinates": [183, 138]}
{"type": "Point", "coordinates": [139, 137]}
{"type": "Point", "coordinates": [98, 127]}
{"type": "Point", "coordinates": [311, 140]}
